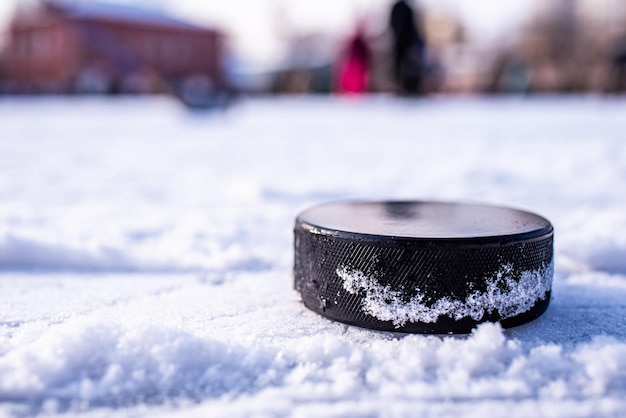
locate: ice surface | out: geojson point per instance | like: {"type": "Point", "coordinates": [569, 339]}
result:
{"type": "Point", "coordinates": [146, 256]}
{"type": "Point", "coordinates": [504, 294]}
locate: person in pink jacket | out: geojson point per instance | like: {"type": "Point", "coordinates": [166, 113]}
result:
{"type": "Point", "coordinates": [354, 71]}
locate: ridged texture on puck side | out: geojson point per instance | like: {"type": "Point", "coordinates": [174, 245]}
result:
{"type": "Point", "coordinates": [424, 286]}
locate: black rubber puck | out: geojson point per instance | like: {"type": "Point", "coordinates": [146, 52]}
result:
{"type": "Point", "coordinates": [423, 267]}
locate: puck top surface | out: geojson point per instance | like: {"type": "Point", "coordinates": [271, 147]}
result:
{"type": "Point", "coordinates": [423, 220]}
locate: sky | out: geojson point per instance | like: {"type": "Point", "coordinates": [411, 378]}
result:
{"type": "Point", "coordinates": [258, 28]}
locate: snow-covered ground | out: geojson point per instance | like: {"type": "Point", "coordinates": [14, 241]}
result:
{"type": "Point", "coordinates": [146, 255]}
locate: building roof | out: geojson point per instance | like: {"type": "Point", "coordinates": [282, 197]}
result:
{"type": "Point", "coordinates": [96, 10]}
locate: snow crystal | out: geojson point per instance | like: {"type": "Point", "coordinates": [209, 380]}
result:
{"type": "Point", "coordinates": [386, 304]}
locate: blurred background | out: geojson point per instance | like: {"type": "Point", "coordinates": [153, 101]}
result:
{"type": "Point", "coordinates": [208, 52]}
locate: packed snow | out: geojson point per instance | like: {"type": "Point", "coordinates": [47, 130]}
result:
{"type": "Point", "coordinates": [146, 256]}
{"type": "Point", "coordinates": [386, 304]}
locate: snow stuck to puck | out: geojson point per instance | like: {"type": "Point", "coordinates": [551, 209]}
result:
{"type": "Point", "coordinates": [423, 267]}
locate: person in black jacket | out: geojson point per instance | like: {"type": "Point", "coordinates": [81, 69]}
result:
{"type": "Point", "coordinates": [408, 48]}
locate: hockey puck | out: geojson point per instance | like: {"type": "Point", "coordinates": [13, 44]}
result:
{"type": "Point", "coordinates": [423, 267]}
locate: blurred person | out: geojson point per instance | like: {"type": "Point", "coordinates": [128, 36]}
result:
{"type": "Point", "coordinates": [409, 46]}
{"type": "Point", "coordinates": [354, 70]}
{"type": "Point", "coordinates": [618, 66]}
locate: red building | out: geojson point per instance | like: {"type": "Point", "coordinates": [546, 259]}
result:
{"type": "Point", "coordinates": [98, 48]}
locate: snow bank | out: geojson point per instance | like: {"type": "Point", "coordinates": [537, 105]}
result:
{"type": "Point", "coordinates": [37, 254]}
{"type": "Point", "coordinates": [112, 365]}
